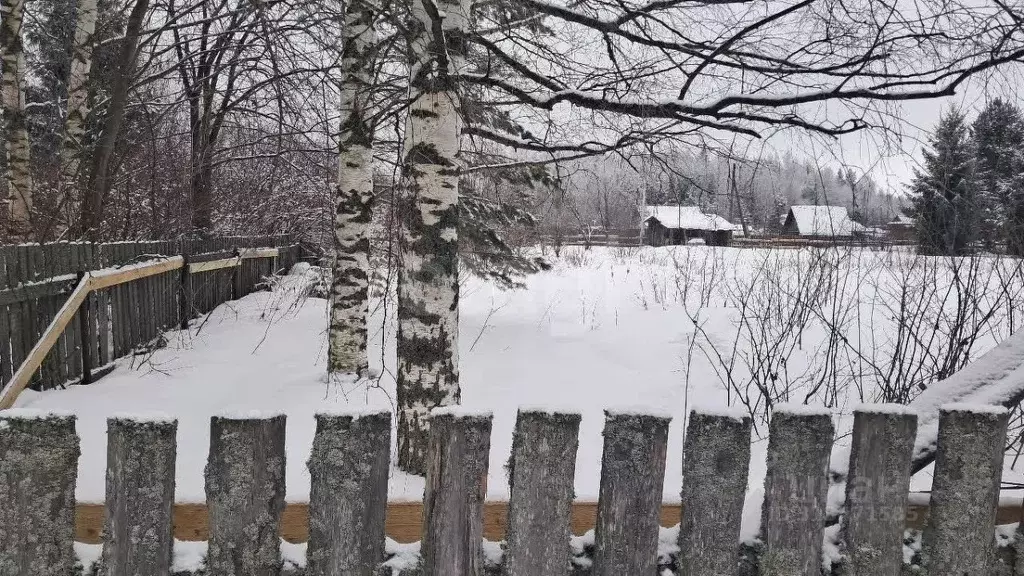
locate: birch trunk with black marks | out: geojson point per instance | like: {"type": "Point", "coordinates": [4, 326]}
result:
{"type": "Point", "coordinates": [350, 275]}
{"type": "Point", "coordinates": [428, 290]}
{"type": "Point", "coordinates": [12, 95]}
{"type": "Point", "coordinates": [78, 93]}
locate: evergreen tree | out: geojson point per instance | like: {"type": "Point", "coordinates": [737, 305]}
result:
{"type": "Point", "coordinates": [998, 135]}
{"type": "Point", "coordinates": [942, 194]}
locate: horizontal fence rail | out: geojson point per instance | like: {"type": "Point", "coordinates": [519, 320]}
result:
{"type": "Point", "coordinates": [68, 310]}
{"type": "Point", "coordinates": [350, 460]}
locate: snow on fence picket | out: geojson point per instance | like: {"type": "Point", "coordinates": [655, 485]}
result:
{"type": "Point", "coordinates": [36, 281]}
{"type": "Point", "coordinates": [349, 464]}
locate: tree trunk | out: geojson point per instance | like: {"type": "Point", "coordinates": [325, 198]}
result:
{"type": "Point", "coordinates": [350, 274]}
{"type": "Point", "coordinates": [428, 289]}
{"type": "Point", "coordinates": [100, 179]}
{"type": "Point", "coordinates": [78, 93]}
{"type": "Point", "coordinates": [12, 94]}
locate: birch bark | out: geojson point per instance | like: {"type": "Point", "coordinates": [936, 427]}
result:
{"type": "Point", "coordinates": [78, 93]}
{"type": "Point", "coordinates": [354, 195]}
{"type": "Point", "coordinates": [428, 290]}
{"type": "Point", "coordinates": [12, 95]}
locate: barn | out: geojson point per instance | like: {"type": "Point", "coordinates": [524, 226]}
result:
{"type": "Point", "coordinates": [902, 228]}
{"type": "Point", "coordinates": [821, 222]}
{"type": "Point", "coordinates": [668, 225]}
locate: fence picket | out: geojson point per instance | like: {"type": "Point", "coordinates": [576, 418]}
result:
{"type": "Point", "coordinates": [348, 471]}
{"type": "Point", "coordinates": [542, 473]}
{"type": "Point", "coordinates": [716, 462]}
{"type": "Point", "coordinates": [958, 538]}
{"type": "Point", "coordinates": [454, 494]}
{"type": "Point", "coordinates": [38, 473]}
{"type": "Point", "coordinates": [876, 490]}
{"type": "Point", "coordinates": [629, 499]}
{"type": "Point", "coordinates": [795, 488]}
{"type": "Point", "coordinates": [245, 495]}
{"type": "Point", "coordinates": [138, 529]}
{"type": "Point", "coordinates": [121, 318]}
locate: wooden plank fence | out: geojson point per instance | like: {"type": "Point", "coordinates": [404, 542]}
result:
{"type": "Point", "coordinates": [115, 319]}
{"type": "Point", "coordinates": [349, 462]}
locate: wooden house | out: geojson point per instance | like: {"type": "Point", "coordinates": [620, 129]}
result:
{"type": "Point", "coordinates": [821, 222]}
{"type": "Point", "coordinates": [673, 225]}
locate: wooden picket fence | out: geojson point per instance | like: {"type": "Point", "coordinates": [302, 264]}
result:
{"type": "Point", "coordinates": [350, 462]}
{"type": "Point", "coordinates": [36, 281]}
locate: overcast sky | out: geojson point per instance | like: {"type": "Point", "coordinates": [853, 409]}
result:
{"type": "Point", "coordinates": [891, 157]}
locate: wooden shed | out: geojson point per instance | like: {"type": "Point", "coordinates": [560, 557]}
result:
{"type": "Point", "coordinates": [674, 225]}
{"type": "Point", "coordinates": [821, 222]}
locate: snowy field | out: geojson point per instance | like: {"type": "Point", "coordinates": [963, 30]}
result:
{"type": "Point", "coordinates": [662, 328]}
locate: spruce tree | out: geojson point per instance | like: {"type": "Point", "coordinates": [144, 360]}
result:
{"type": "Point", "coordinates": [943, 195]}
{"type": "Point", "coordinates": [998, 135]}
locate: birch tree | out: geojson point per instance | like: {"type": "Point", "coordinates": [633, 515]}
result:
{"type": "Point", "coordinates": [354, 194]}
{"type": "Point", "coordinates": [78, 92]}
{"type": "Point", "coordinates": [12, 94]}
{"type": "Point", "coordinates": [428, 290]}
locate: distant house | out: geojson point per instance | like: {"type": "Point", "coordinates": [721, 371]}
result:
{"type": "Point", "coordinates": [902, 228]}
{"type": "Point", "coordinates": [665, 225]}
{"type": "Point", "coordinates": [824, 222]}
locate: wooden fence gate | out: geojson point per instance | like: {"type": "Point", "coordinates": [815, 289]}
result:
{"type": "Point", "coordinates": [350, 462]}
{"type": "Point", "coordinates": [36, 281]}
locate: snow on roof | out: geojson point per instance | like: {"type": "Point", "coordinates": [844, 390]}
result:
{"type": "Point", "coordinates": [687, 218]}
{"type": "Point", "coordinates": [902, 219]}
{"type": "Point", "coordinates": [823, 221]}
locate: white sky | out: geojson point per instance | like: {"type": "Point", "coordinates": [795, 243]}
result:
{"type": "Point", "coordinates": [890, 158]}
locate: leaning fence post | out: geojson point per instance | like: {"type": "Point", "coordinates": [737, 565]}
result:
{"type": "Point", "coordinates": [348, 470]}
{"type": "Point", "coordinates": [877, 488]}
{"type": "Point", "coordinates": [959, 538]}
{"type": "Point", "coordinates": [795, 491]}
{"type": "Point", "coordinates": [38, 469]}
{"type": "Point", "coordinates": [85, 320]}
{"type": "Point", "coordinates": [453, 501]}
{"type": "Point", "coordinates": [245, 494]}
{"type": "Point", "coordinates": [138, 528]}
{"type": "Point", "coordinates": [716, 462]}
{"type": "Point", "coordinates": [629, 500]}
{"type": "Point", "coordinates": [541, 471]}
{"type": "Point", "coordinates": [185, 304]}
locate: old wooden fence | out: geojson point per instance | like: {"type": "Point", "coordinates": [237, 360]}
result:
{"type": "Point", "coordinates": [36, 281]}
{"type": "Point", "coordinates": [350, 462]}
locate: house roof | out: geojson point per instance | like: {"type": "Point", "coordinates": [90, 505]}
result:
{"type": "Point", "coordinates": [903, 220]}
{"type": "Point", "coordinates": [687, 218]}
{"type": "Point", "coordinates": [823, 221]}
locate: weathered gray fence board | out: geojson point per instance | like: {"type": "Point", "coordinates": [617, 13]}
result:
{"type": "Point", "coordinates": [348, 499]}
{"type": "Point", "coordinates": [958, 539]}
{"type": "Point", "coordinates": [716, 463]}
{"type": "Point", "coordinates": [629, 499]}
{"type": "Point", "coordinates": [795, 488]}
{"type": "Point", "coordinates": [542, 471]}
{"type": "Point", "coordinates": [245, 495]}
{"type": "Point", "coordinates": [138, 527]}
{"type": "Point", "coordinates": [876, 490]}
{"type": "Point", "coordinates": [122, 318]}
{"type": "Point", "coordinates": [38, 472]}
{"type": "Point", "coordinates": [454, 494]}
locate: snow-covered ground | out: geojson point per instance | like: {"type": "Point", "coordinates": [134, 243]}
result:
{"type": "Point", "coordinates": [606, 328]}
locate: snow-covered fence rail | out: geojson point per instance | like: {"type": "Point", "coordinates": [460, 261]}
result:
{"type": "Point", "coordinates": [120, 312]}
{"type": "Point", "coordinates": [349, 462]}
